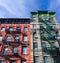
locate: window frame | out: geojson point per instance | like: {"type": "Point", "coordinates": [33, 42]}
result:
{"type": "Point", "coordinates": [34, 26]}
{"type": "Point", "coordinates": [15, 51]}
{"type": "Point", "coordinates": [25, 38]}
{"type": "Point", "coordinates": [25, 29]}
{"type": "Point", "coordinates": [18, 28]}
{"type": "Point", "coordinates": [1, 37]}
{"type": "Point", "coordinates": [2, 29]}
{"type": "Point", "coordinates": [35, 45]}
{"type": "Point", "coordinates": [34, 35]}
{"type": "Point", "coordinates": [8, 38]}
{"type": "Point", "coordinates": [10, 29]}
{"type": "Point", "coordinates": [2, 61]}
{"type": "Point", "coordinates": [34, 18]}
{"type": "Point", "coordinates": [23, 61]}
{"type": "Point", "coordinates": [35, 59]}
{"type": "Point", "coordinates": [16, 38]}
{"type": "Point", "coordinates": [5, 51]}
{"type": "Point", "coordinates": [24, 50]}
{"type": "Point", "coordinates": [46, 60]}
{"type": "Point", "coordinates": [13, 61]}
{"type": "Point", "coordinates": [44, 44]}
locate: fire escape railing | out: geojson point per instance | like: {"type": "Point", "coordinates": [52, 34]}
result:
{"type": "Point", "coordinates": [49, 34]}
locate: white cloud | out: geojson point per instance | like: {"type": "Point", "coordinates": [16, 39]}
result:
{"type": "Point", "coordinates": [18, 8]}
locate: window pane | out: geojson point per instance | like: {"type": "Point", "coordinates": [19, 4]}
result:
{"type": "Point", "coordinates": [1, 61]}
{"type": "Point", "coordinates": [5, 50]}
{"type": "Point", "coordinates": [2, 29]}
{"type": "Point", "coordinates": [33, 18]}
{"type": "Point", "coordinates": [23, 61]}
{"type": "Point", "coordinates": [24, 50]}
{"type": "Point", "coordinates": [35, 45]}
{"type": "Point", "coordinates": [43, 44]}
{"type": "Point", "coordinates": [25, 29]}
{"type": "Point", "coordinates": [36, 59]}
{"type": "Point", "coordinates": [18, 28]}
{"type": "Point", "coordinates": [13, 61]}
{"type": "Point", "coordinates": [10, 29]}
{"type": "Point", "coordinates": [1, 37]}
{"type": "Point", "coordinates": [46, 59]}
{"type": "Point", "coordinates": [35, 35]}
{"type": "Point", "coordinates": [15, 49]}
{"type": "Point", "coordinates": [24, 38]}
{"type": "Point", "coordinates": [16, 37]}
{"type": "Point", "coordinates": [34, 26]}
{"type": "Point", "coordinates": [8, 38]}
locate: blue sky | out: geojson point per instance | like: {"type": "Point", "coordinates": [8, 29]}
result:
{"type": "Point", "coordinates": [22, 8]}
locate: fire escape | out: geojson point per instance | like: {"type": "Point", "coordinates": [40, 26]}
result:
{"type": "Point", "coordinates": [11, 56]}
{"type": "Point", "coordinates": [48, 35]}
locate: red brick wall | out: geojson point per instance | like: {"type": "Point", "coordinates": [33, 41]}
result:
{"type": "Point", "coordinates": [27, 56]}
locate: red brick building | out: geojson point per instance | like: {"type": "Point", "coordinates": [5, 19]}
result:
{"type": "Point", "coordinates": [15, 40]}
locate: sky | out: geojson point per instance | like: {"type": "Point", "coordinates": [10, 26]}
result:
{"type": "Point", "coordinates": [22, 8]}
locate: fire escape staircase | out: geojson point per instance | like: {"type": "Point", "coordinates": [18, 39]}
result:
{"type": "Point", "coordinates": [49, 33]}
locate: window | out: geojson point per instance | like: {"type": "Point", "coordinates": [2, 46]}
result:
{"type": "Point", "coordinates": [24, 50]}
{"type": "Point", "coordinates": [54, 27]}
{"type": "Point", "coordinates": [51, 19]}
{"type": "Point", "coordinates": [36, 59]}
{"type": "Point", "coordinates": [33, 18]}
{"type": "Point", "coordinates": [35, 35]}
{"type": "Point", "coordinates": [8, 38]}
{"type": "Point", "coordinates": [46, 59]}
{"type": "Point", "coordinates": [10, 29]}
{"type": "Point", "coordinates": [16, 38]}
{"type": "Point", "coordinates": [15, 49]}
{"type": "Point", "coordinates": [1, 37]}
{"type": "Point", "coordinates": [24, 38]}
{"type": "Point", "coordinates": [5, 50]}
{"type": "Point", "coordinates": [13, 61]}
{"type": "Point", "coordinates": [1, 61]}
{"type": "Point", "coordinates": [34, 26]}
{"type": "Point", "coordinates": [25, 29]}
{"type": "Point", "coordinates": [18, 28]}
{"type": "Point", "coordinates": [2, 29]}
{"type": "Point", "coordinates": [35, 45]}
{"type": "Point", "coordinates": [23, 61]}
{"type": "Point", "coordinates": [43, 44]}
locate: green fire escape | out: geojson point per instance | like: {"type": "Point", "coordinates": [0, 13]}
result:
{"type": "Point", "coordinates": [49, 35]}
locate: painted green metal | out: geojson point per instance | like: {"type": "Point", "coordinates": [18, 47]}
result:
{"type": "Point", "coordinates": [48, 31]}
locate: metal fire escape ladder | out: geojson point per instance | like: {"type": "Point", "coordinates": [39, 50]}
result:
{"type": "Point", "coordinates": [48, 31]}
